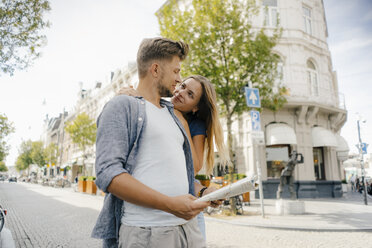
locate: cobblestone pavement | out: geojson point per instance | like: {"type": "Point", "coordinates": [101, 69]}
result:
{"type": "Point", "coordinates": [40, 220]}
{"type": "Point", "coordinates": [48, 217]}
{"type": "Point", "coordinates": [221, 235]}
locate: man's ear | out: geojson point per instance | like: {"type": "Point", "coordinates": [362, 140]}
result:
{"type": "Point", "coordinates": [155, 69]}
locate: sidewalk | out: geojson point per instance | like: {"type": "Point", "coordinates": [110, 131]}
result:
{"type": "Point", "coordinates": [338, 214]}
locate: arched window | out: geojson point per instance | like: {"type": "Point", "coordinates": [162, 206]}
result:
{"type": "Point", "coordinates": [279, 75]}
{"type": "Point", "coordinates": [312, 78]}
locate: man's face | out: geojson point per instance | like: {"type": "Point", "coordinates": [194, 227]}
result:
{"type": "Point", "coordinates": [169, 76]}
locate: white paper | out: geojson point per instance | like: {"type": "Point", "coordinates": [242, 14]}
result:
{"type": "Point", "coordinates": [242, 186]}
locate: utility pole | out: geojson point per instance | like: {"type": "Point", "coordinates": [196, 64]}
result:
{"type": "Point", "coordinates": [362, 164]}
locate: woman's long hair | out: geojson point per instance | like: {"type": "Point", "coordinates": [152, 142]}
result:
{"type": "Point", "coordinates": [208, 112]}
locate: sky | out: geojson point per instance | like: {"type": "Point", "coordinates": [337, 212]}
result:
{"type": "Point", "coordinates": [90, 38]}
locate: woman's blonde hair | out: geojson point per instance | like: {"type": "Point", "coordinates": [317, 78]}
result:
{"type": "Point", "coordinates": [208, 112]}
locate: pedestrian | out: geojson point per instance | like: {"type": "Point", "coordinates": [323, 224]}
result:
{"type": "Point", "coordinates": [195, 99]}
{"type": "Point", "coordinates": [352, 182]}
{"type": "Point", "coordinates": [144, 161]}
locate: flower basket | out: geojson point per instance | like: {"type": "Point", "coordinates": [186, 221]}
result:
{"type": "Point", "coordinates": [82, 184]}
{"type": "Point", "coordinates": [204, 180]}
{"type": "Point", "coordinates": [91, 186]}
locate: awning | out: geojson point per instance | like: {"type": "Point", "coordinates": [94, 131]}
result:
{"type": "Point", "coordinates": [280, 134]}
{"type": "Point", "coordinates": [342, 148]}
{"type": "Point", "coordinates": [342, 144]}
{"type": "Point", "coordinates": [323, 137]}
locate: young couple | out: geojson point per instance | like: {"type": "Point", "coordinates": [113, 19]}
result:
{"type": "Point", "coordinates": [149, 149]}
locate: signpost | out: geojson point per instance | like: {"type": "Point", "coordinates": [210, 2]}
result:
{"type": "Point", "coordinates": [252, 96]}
{"type": "Point", "coordinates": [362, 147]}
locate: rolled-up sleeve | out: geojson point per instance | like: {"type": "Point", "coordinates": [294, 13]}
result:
{"type": "Point", "coordinates": [112, 143]}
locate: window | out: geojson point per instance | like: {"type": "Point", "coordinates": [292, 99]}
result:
{"type": "Point", "coordinates": [279, 76]}
{"type": "Point", "coordinates": [276, 159]}
{"type": "Point", "coordinates": [312, 78]}
{"type": "Point", "coordinates": [319, 170]}
{"type": "Point", "coordinates": [270, 12]}
{"type": "Point", "coordinates": [307, 19]}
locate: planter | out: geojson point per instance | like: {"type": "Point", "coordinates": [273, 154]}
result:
{"type": "Point", "coordinates": [344, 187]}
{"type": "Point", "coordinates": [91, 187]}
{"type": "Point", "coordinates": [246, 197]}
{"type": "Point", "coordinates": [82, 186]}
{"type": "Point", "coordinates": [205, 183]}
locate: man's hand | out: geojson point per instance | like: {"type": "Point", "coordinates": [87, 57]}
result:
{"type": "Point", "coordinates": [185, 207]}
{"type": "Point", "coordinates": [213, 203]}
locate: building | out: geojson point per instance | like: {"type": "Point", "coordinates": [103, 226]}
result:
{"type": "Point", "coordinates": [70, 158]}
{"type": "Point", "coordinates": [311, 121]}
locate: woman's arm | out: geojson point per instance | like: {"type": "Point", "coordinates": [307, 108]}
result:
{"type": "Point", "coordinates": [198, 143]}
{"type": "Point", "coordinates": [195, 159]}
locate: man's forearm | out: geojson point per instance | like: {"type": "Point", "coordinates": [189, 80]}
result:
{"type": "Point", "coordinates": [129, 189]}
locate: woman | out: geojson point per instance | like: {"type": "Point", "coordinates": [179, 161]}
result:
{"type": "Point", "coordinates": [195, 106]}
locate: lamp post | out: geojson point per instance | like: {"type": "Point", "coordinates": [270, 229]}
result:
{"type": "Point", "coordinates": [362, 162]}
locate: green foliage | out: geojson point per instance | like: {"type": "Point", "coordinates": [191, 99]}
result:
{"type": "Point", "coordinates": [38, 153]}
{"type": "Point", "coordinates": [6, 128]}
{"type": "Point", "coordinates": [3, 167]}
{"type": "Point", "coordinates": [226, 49]}
{"type": "Point", "coordinates": [51, 153]}
{"type": "Point", "coordinates": [24, 159]}
{"type": "Point", "coordinates": [82, 131]}
{"type": "Point", "coordinates": [235, 176]}
{"type": "Point", "coordinates": [91, 178]}
{"type": "Point", "coordinates": [83, 178]}
{"type": "Point", "coordinates": [201, 177]}
{"type": "Point", "coordinates": [21, 25]}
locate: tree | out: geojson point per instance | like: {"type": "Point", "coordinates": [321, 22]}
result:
{"type": "Point", "coordinates": [3, 167]}
{"type": "Point", "coordinates": [83, 133]}
{"type": "Point", "coordinates": [24, 159]}
{"type": "Point", "coordinates": [38, 153]}
{"type": "Point", "coordinates": [21, 23]}
{"type": "Point", "coordinates": [51, 153]}
{"type": "Point", "coordinates": [225, 48]}
{"type": "Point", "coordinates": [6, 128]}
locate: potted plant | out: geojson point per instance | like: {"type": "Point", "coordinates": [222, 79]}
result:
{"type": "Point", "coordinates": [344, 185]}
{"type": "Point", "coordinates": [91, 186]}
{"type": "Point", "coordinates": [82, 183]}
{"type": "Point", "coordinates": [204, 179]}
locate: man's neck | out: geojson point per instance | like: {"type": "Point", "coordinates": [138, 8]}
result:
{"type": "Point", "coordinates": [149, 91]}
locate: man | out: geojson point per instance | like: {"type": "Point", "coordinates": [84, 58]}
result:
{"type": "Point", "coordinates": [144, 161]}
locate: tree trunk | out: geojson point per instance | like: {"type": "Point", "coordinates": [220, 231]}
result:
{"type": "Point", "coordinates": [232, 167]}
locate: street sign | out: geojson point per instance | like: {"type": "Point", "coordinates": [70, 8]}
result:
{"type": "Point", "coordinates": [364, 148]}
{"type": "Point", "coordinates": [256, 122]}
{"type": "Point", "coordinates": [258, 137]}
{"type": "Point", "coordinates": [252, 95]}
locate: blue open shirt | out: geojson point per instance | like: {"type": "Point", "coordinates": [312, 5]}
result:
{"type": "Point", "coordinates": [119, 132]}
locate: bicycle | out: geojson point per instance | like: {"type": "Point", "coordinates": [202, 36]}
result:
{"type": "Point", "coordinates": [226, 205]}
{"type": "Point", "coordinates": [3, 212]}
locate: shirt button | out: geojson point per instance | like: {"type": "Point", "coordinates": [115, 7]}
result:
{"type": "Point", "coordinates": [140, 119]}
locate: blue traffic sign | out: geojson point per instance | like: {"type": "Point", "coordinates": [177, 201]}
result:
{"type": "Point", "coordinates": [252, 95]}
{"type": "Point", "coordinates": [256, 122]}
{"type": "Point", "coordinates": [364, 148]}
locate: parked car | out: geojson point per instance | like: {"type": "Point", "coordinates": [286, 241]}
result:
{"type": "Point", "coordinates": [12, 179]}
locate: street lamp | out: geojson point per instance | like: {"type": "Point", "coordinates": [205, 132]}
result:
{"type": "Point", "coordinates": [361, 160]}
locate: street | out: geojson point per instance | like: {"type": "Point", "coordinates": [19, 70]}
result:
{"type": "Point", "coordinates": [41, 216]}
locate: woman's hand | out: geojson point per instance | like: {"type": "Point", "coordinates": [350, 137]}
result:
{"type": "Point", "coordinates": [129, 91]}
{"type": "Point", "coordinates": [213, 203]}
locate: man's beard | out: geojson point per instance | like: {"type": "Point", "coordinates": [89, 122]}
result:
{"type": "Point", "coordinates": [163, 91]}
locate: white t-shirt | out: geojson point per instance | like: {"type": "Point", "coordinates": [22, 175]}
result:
{"type": "Point", "coordinates": [161, 165]}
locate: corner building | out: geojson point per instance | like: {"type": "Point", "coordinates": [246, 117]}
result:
{"type": "Point", "coordinates": [312, 118]}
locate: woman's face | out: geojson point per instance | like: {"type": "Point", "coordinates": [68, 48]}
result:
{"type": "Point", "coordinates": [187, 95]}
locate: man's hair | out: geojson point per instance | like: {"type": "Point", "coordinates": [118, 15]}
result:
{"type": "Point", "coordinates": [158, 49]}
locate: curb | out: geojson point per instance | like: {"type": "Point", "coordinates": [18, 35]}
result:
{"type": "Point", "coordinates": [288, 228]}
